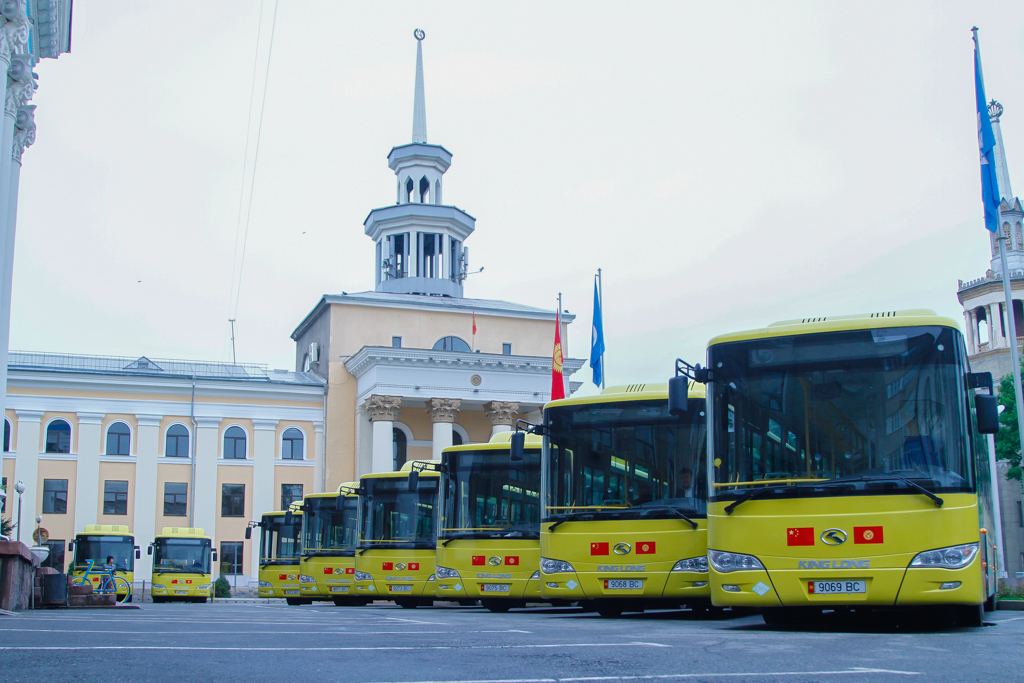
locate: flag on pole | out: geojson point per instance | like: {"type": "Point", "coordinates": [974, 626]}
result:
{"type": "Point", "coordinates": [986, 146]}
{"type": "Point", "coordinates": [474, 322]}
{"type": "Point", "coordinates": [557, 381]}
{"type": "Point", "coordinates": [597, 340]}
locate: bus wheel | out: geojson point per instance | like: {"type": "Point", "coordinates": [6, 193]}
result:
{"type": "Point", "coordinates": [159, 598]}
{"type": "Point", "coordinates": [990, 604]}
{"type": "Point", "coordinates": [496, 606]}
{"type": "Point", "coordinates": [406, 604]}
{"type": "Point", "coordinates": [776, 616]}
{"type": "Point", "coordinates": [970, 615]}
{"type": "Point", "coordinates": [295, 601]}
{"type": "Point", "coordinates": [199, 600]}
{"type": "Point", "coordinates": [609, 609]}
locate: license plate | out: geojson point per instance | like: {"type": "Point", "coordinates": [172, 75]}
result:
{"type": "Point", "coordinates": [624, 584]}
{"type": "Point", "coordinates": [291, 592]}
{"type": "Point", "coordinates": [400, 589]}
{"type": "Point", "coordinates": [338, 589]}
{"type": "Point", "coordinates": [495, 587]}
{"type": "Point", "coordinates": [181, 592]}
{"type": "Point", "coordinates": [836, 587]}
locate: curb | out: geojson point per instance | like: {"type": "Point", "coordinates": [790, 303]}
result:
{"type": "Point", "coordinates": [1012, 605]}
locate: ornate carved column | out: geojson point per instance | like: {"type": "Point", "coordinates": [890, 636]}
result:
{"type": "Point", "coordinates": [502, 415]}
{"type": "Point", "coordinates": [383, 410]}
{"type": "Point", "coordinates": [442, 413]}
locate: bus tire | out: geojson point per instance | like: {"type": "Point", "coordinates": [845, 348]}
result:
{"type": "Point", "coordinates": [609, 609]}
{"type": "Point", "coordinates": [496, 606]}
{"type": "Point", "coordinates": [776, 616]}
{"type": "Point", "coordinates": [159, 599]}
{"type": "Point", "coordinates": [407, 604]}
{"type": "Point", "coordinates": [300, 601]}
{"type": "Point", "coordinates": [990, 603]}
{"type": "Point", "coordinates": [199, 600]}
{"type": "Point", "coordinates": [970, 616]}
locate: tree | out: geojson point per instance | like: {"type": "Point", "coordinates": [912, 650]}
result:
{"type": "Point", "coordinates": [1008, 438]}
{"type": "Point", "coordinates": [6, 527]}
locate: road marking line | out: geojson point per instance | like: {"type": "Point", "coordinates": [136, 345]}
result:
{"type": "Point", "coordinates": [315, 649]}
{"type": "Point", "coordinates": [662, 677]}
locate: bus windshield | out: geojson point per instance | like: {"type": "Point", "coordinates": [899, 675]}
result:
{"type": "Point", "coordinates": [279, 542]}
{"type": "Point", "coordinates": [489, 496]}
{"type": "Point", "coordinates": [99, 548]}
{"type": "Point", "coordinates": [625, 460]}
{"type": "Point", "coordinates": [395, 517]}
{"type": "Point", "coordinates": [329, 525]}
{"type": "Point", "coordinates": [181, 555]}
{"type": "Point", "coordinates": [859, 412]}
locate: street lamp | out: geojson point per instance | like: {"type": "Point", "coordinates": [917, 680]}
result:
{"type": "Point", "coordinates": [19, 487]}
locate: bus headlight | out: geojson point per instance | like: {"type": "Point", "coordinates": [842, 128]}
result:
{"type": "Point", "coordinates": [266, 584]}
{"type": "Point", "coordinates": [535, 576]}
{"type": "Point", "coordinates": [692, 564]}
{"type": "Point", "coordinates": [204, 587]}
{"type": "Point", "coordinates": [953, 557]}
{"type": "Point", "coordinates": [446, 573]}
{"type": "Point", "coordinates": [554, 566]}
{"type": "Point", "coordinates": [732, 562]}
{"type": "Point", "coordinates": [363, 576]}
{"type": "Point", "coordinates": [306, 579]}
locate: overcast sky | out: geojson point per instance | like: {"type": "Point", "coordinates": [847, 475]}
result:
{"type": "Point", "coordinates": [727, 165]}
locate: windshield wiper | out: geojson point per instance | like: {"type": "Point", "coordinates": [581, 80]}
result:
{"type": "Point", "coordinates": [909, 482]}
{"type": "Point", "coordinates": [753, 493]}
{"type": "Point", "coordinates": [674, 510]}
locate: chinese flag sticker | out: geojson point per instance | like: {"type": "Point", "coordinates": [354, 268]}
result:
{"type": "Point", "coordinates": [282, 577]}
{"type": "Point", "coordinates": [478, 560]}
{"type": "Point", "coordinates": [645, 548]}
{"type": "Point", "coordinates": [328, 570]}
{"type": "Point", "coordinates": [512, 560]}
{"type": "Point", "coordinates": [801, 535]}
{"type": "Point", "coordinates": [413, 566]}
{"type": "Point", "coordinates": [350, 570]}
{"type": "Point", "coordinates": [867, 534]}
{"type": "Point", "coordinates": [598, 548]}
{"type": "Point", "coordinates": [387, 565]}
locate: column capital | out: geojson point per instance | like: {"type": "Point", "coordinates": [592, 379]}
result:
{"type": "Point", "coordinates": [14, 31]}
{"type": "Point", "coordinates": [443, 409]}
{"type": "Point", "coordinates": [501, 412]}
{"type": "Point", "coordinates": [148, 420]}
{"type": "Point", "coordinates": [208, 421]}
{"type": "Point", "coordinates": [29, 415]}
{"type": "Point", "coordinates": [24, 130]}
{"type": "Point", "coordinates": [21, 83]}
{"type": "Point", "coordinates": [90, 418]}
{"type": "Point", "coordinates": [382, 408]}
{"type": "Point", "coordinates": [258, 424]}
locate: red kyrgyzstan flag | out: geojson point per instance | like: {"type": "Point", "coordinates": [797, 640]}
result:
{"type": "Point", "coordinates": [413, 566]}
{"type": "Point", "coordinates": [645, 548]}
{"type": "Point", "coordinates": [867, 534]}
{"type": "Point", "coordinates": [598, 548]}
{"type": "Point", "coordinates": [557, 381]}
{"type": "Point", "coordinates": [350, 570]}
{"type": "Point", "coordinates": [474, 322]}
{"type": "Point", "coordinates": [801, 535]}
{"type": "Point", "coordinates": [387, 565]}
{"type": "Point", "coordinates": [478, 560]}
{"type": "Point", "coordinates": [512, 560]}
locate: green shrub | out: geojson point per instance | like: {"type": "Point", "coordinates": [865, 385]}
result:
{"type": "Point", "coordinates": [1010, 593]}
{"type": "Point", "coordinates": [221, 588]}
{"type": "Point", "coordinates": [6, 527]}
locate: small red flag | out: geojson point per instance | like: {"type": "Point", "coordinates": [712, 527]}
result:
{"type": "Point", "coordinates": [282, 577]}
{"type": "Point", "coordinates": [328, 570]}
{"type": "Point", "coordinates": [474, 322]}
{"type": "Point", "coordinates": [414, 566]}
{"type": "Point", "coordinates": [557, 381]}
{"type": "Point", "coordinates": [478, 560]}
{"type": "Point", "coordinates": [645, 548]}
{"type": "Point", "coordinates": [867, 534]}
{"type": "Point", "coordinates": [350, 570]}
{"type": "Point", "coordinates": [512, 560]}
{"type": "Point", "coordinates": [387, 565]}
{"type": "Point", "coordinates": [598, 548]}
{"type": "Point", "coordinates": [801, 535]}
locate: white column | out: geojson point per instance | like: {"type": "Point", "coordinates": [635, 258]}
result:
{"type": "Point", "coordinates": [26, 470]}
{"type": "Point", "coordinates": [972, 346]}
{"type": "Point", "coordinates": [206, 497]}
{"type": "Point", "coordinates": [502, 415]}
{"type": "Point", "coordinates": [999, 324]}
{"type": "Point", "coordinates": [317, 454]}
{"type": "Point", "coordinates": [147, 497]}
{"type": "Point", "coordinates": [991, 328]}
{"type": "Point", "coordinates": [264, 498]}
{"type": "Point", "coordinates": [442, 413]}
{"type": "Point", "coordinates": [87, 487]}
{"type": "Point", "coordinates": [382, 411]}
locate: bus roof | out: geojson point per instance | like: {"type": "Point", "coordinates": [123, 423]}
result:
{"type": "Point", "coordinates": [282, 513]}
{"type": "Point", "coordinates": [627, 392]}
{"type": "Point", "coordinates": [840, 323]}
{"type": "Point", "coordinates": [105, 530]}
{"type": "Point", "coordinates": [498, 442]}
{"type": "Point", "coordinates": [404, 472]}
{"type": "Point", "coordinates": [183, 532]}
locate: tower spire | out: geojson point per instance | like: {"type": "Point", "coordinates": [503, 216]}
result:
{"type": "Point", "coordinates": [419, 108]}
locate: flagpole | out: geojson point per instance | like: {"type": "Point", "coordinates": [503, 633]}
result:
{"type": "Point", "coordinates": [600, 299]}
{"type": "Point", "coordinates": [558, 326]}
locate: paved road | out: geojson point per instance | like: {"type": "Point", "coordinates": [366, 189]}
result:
{"type": "Point", "coordinates": [254, 642]}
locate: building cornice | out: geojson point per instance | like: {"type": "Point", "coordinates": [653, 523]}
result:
{"type": "Point", "coordinates": [413, 215]}
{"type": "Point", "coordinates": [372, 356]}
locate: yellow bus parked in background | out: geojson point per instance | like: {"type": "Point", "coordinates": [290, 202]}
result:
{"type": "Point", "coordinates": [181, 565]}
{"type": "Point", "coordinates": [97, 542]}
{"type": "Point", "coordinates": [623, 525]}
{"type": "Point", "coordinates": [398, 534]}
{"type": "Point", "coordinates": [488, 546]}
{"type": "Point", "coordinates": [849, 467]}
{"type": "Point", "coordinates": [280, 546]}
{"type": "Point", "coordinates": [329, 534]}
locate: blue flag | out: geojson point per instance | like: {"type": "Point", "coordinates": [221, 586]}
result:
{"type": "Point", "coordinates": [597, 340]}
{"type": "Point", "coordinates": [986, 146]}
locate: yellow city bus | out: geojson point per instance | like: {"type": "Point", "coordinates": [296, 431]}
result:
{"type": "Point", "coordinates": [97, 542]}
{"type": "Point", "coordinates": [280, 546]}
{"type": "Point", "coordinates": [329, 534]}
{"type": "Point", "coordinates": [849, 467]}
{"type": "Point", "coordinates": [488, 546]}
{"type": "Point", "coordinates": [181, 565]}
{"type": "Point", "coordinates": [397, 543]}
{"type": "Point", "coordinates": [623, 524]}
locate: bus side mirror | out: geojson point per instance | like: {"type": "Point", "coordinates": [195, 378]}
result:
{"type": "Point", "coordinates": [149, 550]}
{"type": "Point", "coordinates": [414, 480]}
{"type": "Point", "coordinates": [987, 408]}
{"type": "Point", "coordinates": [248, 532]}
{"type": "Point", "coordinates": [138, 553]}
{"type": "Point", "coordinates": [289, 518]}
{"type": "Point", "coordinates": [516, 445]}
{"type": "Point", "coordinates": [678, 395]}
{"type": "Point", "coordinates": [214, 554]}
{"type": "Point", "coordinates": [71, 545]}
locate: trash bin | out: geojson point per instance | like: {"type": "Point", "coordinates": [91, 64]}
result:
{"type": "Point", "coordinates": [54, 589]}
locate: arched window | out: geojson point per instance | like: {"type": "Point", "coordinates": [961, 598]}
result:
{"type": "Point", "coordinates": [451, 344]}
{"type": "Point", "coordinates": [409, 185]}
{"type": "Point", "coordinates": [7, 435]}
{"type": "Point", "coordinates": [234, 443]}
{"type": "Point", "coordinates": [291, 446]}
{"type": "Point", "coordinates": [424, 190]}
{"type": "Point", "coordinates": [399, 448]}
{"type": "Point", "coordinates": [456, 438]}
{"type": "Point", "coordinates": [58, 437]}
{"type": "Point", "coordinates": [176, 445]}
{"type": "Point", "coordinates": [119, 439]}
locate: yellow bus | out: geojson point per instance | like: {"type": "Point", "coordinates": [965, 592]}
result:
{"type": "Point", "coordinates": [280, 546]}
{"type": "Point", "coordinates": [97, 542]}
{"type": "Point", "coordinates": [623, 525]}
{"type": "Point", "coordinates": [849, 467]}
{"type": "Point", "coordinates": [488, 546]}
{"type": "Point", "coordinates": [181, 565]}
{"type": "Point", "coordinates": [398, 534]}
{"type": "Point", "coordinates": [329, 534]}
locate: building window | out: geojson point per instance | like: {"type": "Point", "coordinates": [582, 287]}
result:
{"type": "Point", "coordinates": [232, 553]}
{"type": "Point", "coordinates": [7, 435]}
{"type": "Point", "coordinates": [451, 344]}
{"type": "Point", "coordinates": [396, 342]}
{"type": "Point", "coordinates": [456, 438]}
{"type": "Point", "coordinates": [290, 493]}
{"type": "Point", "coordinates": [115, 497]}
{"type": "Point", "coordinates": [55, 496]}
{"type": "Point", "coordinates": [234, 443]}
{"type": "Point", "coordinates": [232, 500]}
{"type": "Point", "coordinates": [398, 448]}
{"type": "Point", "coordinates": [176, 445]}
{"type": "Point", "coordinates": [3, 501]}
{"type": "Point", "coordinates": [58, 437]}
{"type": "Point", "coordinates": [175, 499]}
{"type": "Point", "coordinates": [55, 560]}
{"type": "Point", "coordinates": [506, 349]}
{"type": "Point", "coordinates": [119, 439]}
{"type": "Point", "coordinates": [291, 445]}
